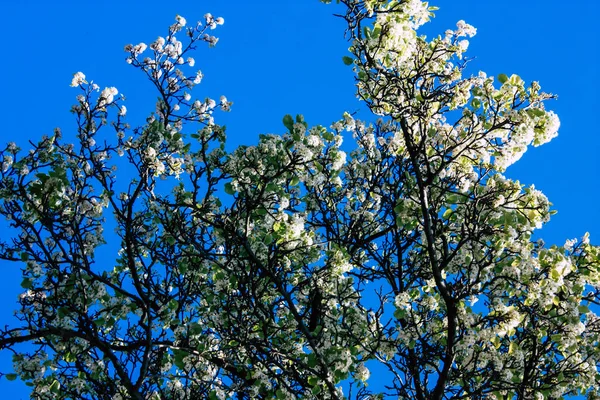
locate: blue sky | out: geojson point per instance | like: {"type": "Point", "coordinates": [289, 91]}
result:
{"type": "Point", "coordinates": [277, 57]}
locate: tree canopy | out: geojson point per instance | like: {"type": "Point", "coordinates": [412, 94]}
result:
{"type": "Point", "coordinates": [294, 267]}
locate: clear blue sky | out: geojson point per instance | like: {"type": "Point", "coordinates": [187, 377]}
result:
{"type": "Point", "coordinates": [277, 57]}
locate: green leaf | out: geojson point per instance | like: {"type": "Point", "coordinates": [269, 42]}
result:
{"type": "Point", "coordinates": [55, 387]}
{"type": "Point", "coordinates": [447, 213]}
{"type": "Point", "coordinates": [268, 239]}
{"type": "Point", "coordinates": [195, 328]}
{"type": "Point", "coordinates": [288, 122]}
{"type": "Point", "coordinates": [11, 377]}
{"type": "Point", "coordinates": [261, 211]}
{"type": "Point", "coordinates": [42, 177]}
{"type": "Point", "coordinates": [496, 342]}
{"type": "Point", "coordinates": [399, 207]}
{"type": "Point", "coordinates": [328, 136]}
{"type": "Point", "coordinates": [376, 31]}
{"type": "Point", "coordinates": [347, 60]}
{"type": "Point", "coordinates": [410, 225]}
{"type": "Point", "coordinates": [583, 309]}
{"type": "Point", "coordinates": [502, 78]}
{"type": "Point", "coordinates": [515, 80]}
{"type": "Point", "coordinates": [556, 337]}
{"type": "Point", "coordinates": [27, 283]}
{"type": "Point", "coordinates": [536, 112]}
{"type": "Point", "coordinates": [178, 356]}
{"type": "Point", "coordinates": [62, 311]}
{"type": "Point", "coordinates": [340, 375]}
{"type": "Point", "coordinates": [313, 380]}
{"type": "Point", "coordinates": [229, 188]}
{"type": "Point", "coordinates": [366, 32]}
{"type": "Point", "coordinates": [400, 313]}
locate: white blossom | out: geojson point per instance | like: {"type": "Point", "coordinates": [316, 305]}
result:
{"type": "Point", "coordinates": [78, 79]}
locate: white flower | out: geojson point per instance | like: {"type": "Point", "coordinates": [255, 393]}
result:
{"type": "Point", "coordinates": [150, 153]}
{"type": "Point", "coordinates": [586, 238]}
{"type": "Point", "coordinates": [339, 160]}
{"type": "Point", "coordinates": [465, 29]}
{"type": "Point", "coordinates": [552, 123]}
{"type": "Point", "coordinates": [139, 49]}
{"type": "Point", "coordinates": [473, 300]}
{"type": "Point", "coordinates": [569, 244]}
{"type": "Point", "coordinates": [198, 77]}
{"type": "Point", "coordinates": [402, 301]}
{"type": "Point", "coordinates": [7, 162]}
{"type": "Point", "coordinates": [284, 203]}
{"type": "Point", "coordinates": [220, 21]}
{"type": "Point", "coordinates": [191, 62]}
{"type": "Point", "coordinates": [123, 111]}
{"type": "Point", "coordinates": [297, 226]}
{"type": "Point", "coordinates": [159, 168]}
{"type": "Point", "coordinates": [362, 373]}
{"type": "Point", "coordinates": [78, 79]}
{"type": "Point", "coordinates": [158, 44]}
{"type": "Point", "coordinates": [107, 96]}
{"type": "Point", "coordinates": [180, 20]}
{"type": "Point", "coordinates": [212, 40]}
{"type": "Point", "coordinates": [313, 141]}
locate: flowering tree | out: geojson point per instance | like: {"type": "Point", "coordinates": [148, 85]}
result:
{"type": "Point", "coordinates": [287, 269]}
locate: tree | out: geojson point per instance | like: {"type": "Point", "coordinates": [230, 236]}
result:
{"type": "Point", "coordinates": [286, 269]}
